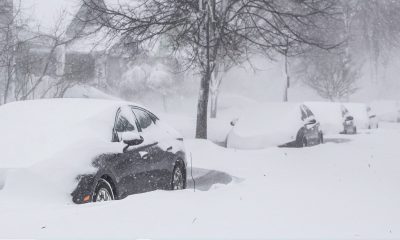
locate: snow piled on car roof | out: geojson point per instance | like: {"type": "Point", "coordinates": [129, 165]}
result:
{"type": "Point", "coordinates": [52, 142]}
{"type": "Point", "coordinates": [34, 131]}
{"type": "Point", "coordinates": [329, 114]}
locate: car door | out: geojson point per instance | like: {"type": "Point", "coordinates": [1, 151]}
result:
{"type": "Point", "coordinates": [161, 158]}
{"type": "Point", "coordinates": [131, 167]}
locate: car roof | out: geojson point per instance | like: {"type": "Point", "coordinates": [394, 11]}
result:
{"type": "Point", "coordinates": [35, 130]}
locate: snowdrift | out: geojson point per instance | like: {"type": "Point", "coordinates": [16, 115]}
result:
{"type": "Point", "coordinates": [386, 110]}
{"type": "Point", "coordinates": [46, 144]}
{"type": "Point", "coordinates": [360, 114]}
{"type": "Point", "coordinates": [266, 125]}
{"type": "Point", "coordinates": [329, 114]}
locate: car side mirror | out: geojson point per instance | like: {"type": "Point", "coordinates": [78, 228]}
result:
{"type": "Point", "coordinates": [372, 116]}
{"type": "Point", "coordinates": [349, 118]}
{"type": "Point", "coordinates": [131, 138]}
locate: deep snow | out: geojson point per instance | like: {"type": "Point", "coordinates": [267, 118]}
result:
{"type": "Point", "coordinates": [267, 125]}
{"type": "Point", "coordinates": [346, 188]}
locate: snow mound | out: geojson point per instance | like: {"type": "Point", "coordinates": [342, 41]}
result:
{"type": "Point", "coordinates": [40, 129]}
{"type": "Point", "coordinates": [386, 110]}
{"type": "Point", "coordinates": [50, 142]}
{"type": "Point", "coordinates": [265, 125]}
{"type": "Point", "coordinates": [329, 114]}
{"type": "Point", "coordinates": [360, 113]}
{"type": "Point", "coordinates": [84, 91]}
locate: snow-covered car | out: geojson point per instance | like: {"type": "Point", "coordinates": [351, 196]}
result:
{"type": "Point", "coordinates": [386, 110]}
{"type": "Point", "coordinates": [373, 118]}
{"type": "Point", "coordinates": [333, 117]}
{"type": "Point", "coordinates": [275, 124]}
{"type": "Point", "coordinates": [359, 111]}
{"type": "Point", "coordinates": [349, 126]}
{"type": "Point", "coordinates": [91, 150]}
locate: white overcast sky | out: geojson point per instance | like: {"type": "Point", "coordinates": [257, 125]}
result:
{"type": "Point", "coordinates": [47, 12]}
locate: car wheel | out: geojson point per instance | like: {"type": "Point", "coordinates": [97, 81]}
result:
{"type": "Point", "coordinates": [178, 181]}
{"type": "Point", "coordinates": [103, 192]}
{"type": "Point", "coordinates": [321, 138]}
{"type": "Point", "coordinates": [355, 130]}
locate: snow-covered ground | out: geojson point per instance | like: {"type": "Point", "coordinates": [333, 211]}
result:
{"type": "Point", "coordinates": [346, 188]}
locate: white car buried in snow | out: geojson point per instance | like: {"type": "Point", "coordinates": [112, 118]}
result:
{"type": "Point", "coordinates": [363, 118]}
{"type": "Point", "coordinates": [334, 117]}
{"type": "Point", "coordinates": [275, 124]}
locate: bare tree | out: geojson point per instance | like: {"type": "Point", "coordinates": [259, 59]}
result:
{"type": "Point", "coordinates": [34, 61]}
{"type": "Point", "coordinates": [207, 30]}
{"type": "Point", "coordinates": [8, 30]}
{"type": "Point", "coordinates": [372, 29]}
{"type": "Point", "coordinates": [333, 76]}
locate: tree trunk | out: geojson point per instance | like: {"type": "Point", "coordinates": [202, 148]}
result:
{"type": "Point", "coordinates": [213, 104]}
{"type": "Point", "coordinates": [287, 82]}
{"type": "Point", "coordinates": [7, 86]}
{"type": "Point", "coordinates": [215, 83]}
{"type": "Point", "coordinates": [209, 64]}
{"type": "Point", "coordinates": [202, 107]}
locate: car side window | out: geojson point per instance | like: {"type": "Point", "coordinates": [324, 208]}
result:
{"type": "Point", "coordinates": [124, 122]}
{"type": "Point", "coordinates": [308, 111]}
{"type": "Point", "coordinates": [144, 119]}
{"type": "Point", "coordinates": [303, 114]}
{"type": "Point", "coordinates": [123, 125]}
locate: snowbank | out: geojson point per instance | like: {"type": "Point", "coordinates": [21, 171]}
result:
{"type": "Point", "coordinates": [40, 129]}
{"type": "Point", "coordinates": [85, 91]}
{"type": "Point", "coordinates": [346, 188]}
{"type": "Point", "coordinates": [218, 129]}
{"type": "Point", "coordinates": [386, 110]}
{"type": "Point", "coordinates": [48, 143]}
{"type": "Point", "coordinates": [360, 114]}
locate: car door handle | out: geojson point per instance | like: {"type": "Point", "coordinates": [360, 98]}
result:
{"type": "Point", "coordinates": [144, 155]}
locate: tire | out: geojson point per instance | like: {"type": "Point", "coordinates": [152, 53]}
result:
{"type": "Point", "coordinates": [321, 138]}
{"type": "Point", "coordinates": [355, 130]}
{"type": "Point", "coordinates": [178, 181]}
{"type": "Point", "coordinates": [103, 192]}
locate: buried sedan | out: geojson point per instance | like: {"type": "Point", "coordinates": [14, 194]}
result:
{"type": "Point", "coordinates": [348, 122]}
{"type": "Point", "coordinates": [92, 150]}
{"type": "Point", "coordinates": [333, 117]}
{"type": "Point", "coordinates": [275, 124]}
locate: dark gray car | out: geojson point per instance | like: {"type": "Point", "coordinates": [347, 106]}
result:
{"type": "Point", "coordinates": [148, 161]}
